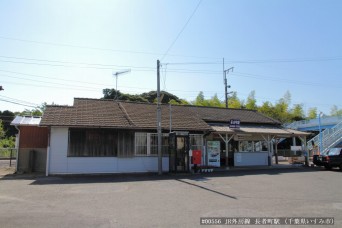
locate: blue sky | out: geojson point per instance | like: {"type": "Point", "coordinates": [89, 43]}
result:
{"type": "Point", "coordinates": [53, 51]}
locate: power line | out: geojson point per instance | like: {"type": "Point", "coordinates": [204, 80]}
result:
{"type": "Point", "coordinates": [187, 22]}
{"type": "Point", "coordinates": [196, 63]}
{"type": "Point", "coordinates": [17, 103]}
{"type": "Point", "coordinates": [99, 49]}
{"type": "Point", "coordinates": [74, 63]}
{"type": "Point", "coordinates": [33, 80]}
{"type": "Point", "coordinates": [82, 82]}
{"type": "Point", "coordinates": [281, 80]}
{"type": "Point", "coordinates": [336, 58]}
{"type": "Point", "coordinates": [88, 65]}
{"type": "Point", "coordinates": [17, 100]}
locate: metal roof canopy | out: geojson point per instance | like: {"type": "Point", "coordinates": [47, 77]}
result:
{"type": "Point", "coordinates": [26, 121]}
{"type": "Point", "coordinates": [266, 130]}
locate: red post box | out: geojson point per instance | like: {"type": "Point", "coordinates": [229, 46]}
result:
{"type": "Point", "coordinates": [196, 157]}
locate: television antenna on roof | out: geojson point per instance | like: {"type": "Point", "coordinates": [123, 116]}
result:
{"type": "Point", "coordinates": [116, 74]}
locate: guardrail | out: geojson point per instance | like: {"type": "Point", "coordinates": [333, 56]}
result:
{"type": "Point", "coordinates": [326, 120]}
{"type": "Point", "coordinates": [8, 154]}
{"type": "Point", "coordinates": [330, 137]}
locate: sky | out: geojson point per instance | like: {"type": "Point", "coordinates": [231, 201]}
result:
{"type": "Point", "coordinates": [53, 51]}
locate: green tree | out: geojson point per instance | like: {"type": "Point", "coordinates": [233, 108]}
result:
{"type": "Point", "coordinates": [2, 131]}
{"type": "Point", "coordinates": [234, 101]}
{"type": "Point", "coordinates": [7, 117]}
{"type": "Point", "coordinates": [335, 111]}
{"type": "Point", "coordinates": [267, 109]}
{"type": "Point", "coordinates": [215, 102]}
{"type": "Point", "coordinates": [297, 112]}
{"type": "Point", "coordinates": [312, 113]}
{"type": "Point", "coordinates": [165, 97]}
{"type": "Point", "coordinates": [5, 142]}
{"type": "Point", "coordinates": [251, 101]}
{"type": "Point", "coordinates": [282, 108]}
{"type": "Point", "coordinates": [149, 97]}
{"type": "Point", "coordinates": [199, 101]}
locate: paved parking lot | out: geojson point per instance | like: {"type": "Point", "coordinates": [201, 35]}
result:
{"type": "Point", "coordinates": [170, 200]}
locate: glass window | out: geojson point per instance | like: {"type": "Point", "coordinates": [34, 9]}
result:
{"type": "Point", "coordinates": [100, 143]}
{"type": "Point", "coordinates": [146, 144]}
{"type": "Point", "coordinates": [196, 142]}
{"type": "Point", "coordinates": [253, 146]}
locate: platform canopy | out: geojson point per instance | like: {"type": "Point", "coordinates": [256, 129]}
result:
{"type": "Point", "coordinates": [259, 130]}
{"type": "Point", "coordinates": [26, 121]}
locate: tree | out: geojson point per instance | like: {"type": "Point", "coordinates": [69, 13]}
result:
{"type": "Point", "coordinates": [267, 109]}
{"type": "Point", "coordinates": [149, 97]}
{"type": "Point", "coordinates": [7, 117]}
{"type": "Point", "coordinates": [199, 101]}
{"type": "Point", "coordinates": [297, 112]}
{"type": "Point", "coordinates": [5, 142]}
{"type": "Point", "coordinates": [112, 93]}
{"type": "Point", "coordinates": [165, 97]}
{"type": "Point", "coordinates": [251, 101]}
{"type": "Point", "coordinates": [215, 102]}
{"type": "Point", "coordinates": [282, 108]}
{"type": "Point", "coordinates": [2, 131]}
{"type": "Point", "coordinates": [335, 111]}
{"type": "Point", "coordinates": [234, 101]}
{"type": "Point", "coordinates": [312, 113]}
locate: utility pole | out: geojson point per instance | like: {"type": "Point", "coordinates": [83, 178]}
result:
{"type": "Point", "coordinates": [225, 72]}
{"type": "Point", "coordinates": [116, 83]}
{"type": "Point", "coordinates": [160, 156]}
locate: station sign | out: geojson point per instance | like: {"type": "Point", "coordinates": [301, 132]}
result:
{"type": "Point", "coordinates": [234, 124]}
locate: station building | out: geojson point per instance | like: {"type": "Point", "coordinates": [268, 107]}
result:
{"type": "Point", "coordinates": [106, 136]}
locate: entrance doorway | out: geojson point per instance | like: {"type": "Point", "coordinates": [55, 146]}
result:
{"type": "Point", "coordinates": [179, 152]}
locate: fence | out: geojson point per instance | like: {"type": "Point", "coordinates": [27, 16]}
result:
{"type": "Point", "coordinates": [289, 153]}
{"type": "Point", "coordinates": [8, 154]}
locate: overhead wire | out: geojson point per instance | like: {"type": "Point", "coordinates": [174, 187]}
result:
{"type": "Point", "coordinates": [297, 82]}
{"type": "Point", "coordinates": [17, 100]}
{"type": "Point", "coordinates": [181, 31]}
{"type": "Point", "coordinates": [87, 65]}
{"type": "Point", "coordinates": [100, 49]}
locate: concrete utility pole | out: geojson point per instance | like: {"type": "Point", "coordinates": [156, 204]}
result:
{"type": "Point", "coordinates": [160, 156]}
{"type": "Point", "coordinates": [225, 72]}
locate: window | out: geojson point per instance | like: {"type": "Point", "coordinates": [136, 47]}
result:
{"type": "Point", "coordinates": [253, 146]}
{"type": "Point", "coordinates": [146, 144]}
{"type": "Point", "coordinates": [260, 146]}
{"type": "Point", "coordinates": [196, 142]}
{"type": "Point", "coordinates": [100, 143]}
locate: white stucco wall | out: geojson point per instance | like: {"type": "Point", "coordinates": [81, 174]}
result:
{"type": "Point", "coordinates": [59, 163]}
{"type": "Point", "coordinates": [250, 158]}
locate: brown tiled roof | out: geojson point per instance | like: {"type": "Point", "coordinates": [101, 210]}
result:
{"type": "Point", "coordinates": [212, 114]}
{"type": "Point", "coordinates": [113, 114]}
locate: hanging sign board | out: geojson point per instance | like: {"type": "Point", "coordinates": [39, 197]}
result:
{"type": "Point", "coordinates": [234, 124]}
{"type": "Point", "coordinates": [213, 150]}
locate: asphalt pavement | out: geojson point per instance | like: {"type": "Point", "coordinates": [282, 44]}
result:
{"type": "Point", "coordinates": [149, 200]}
